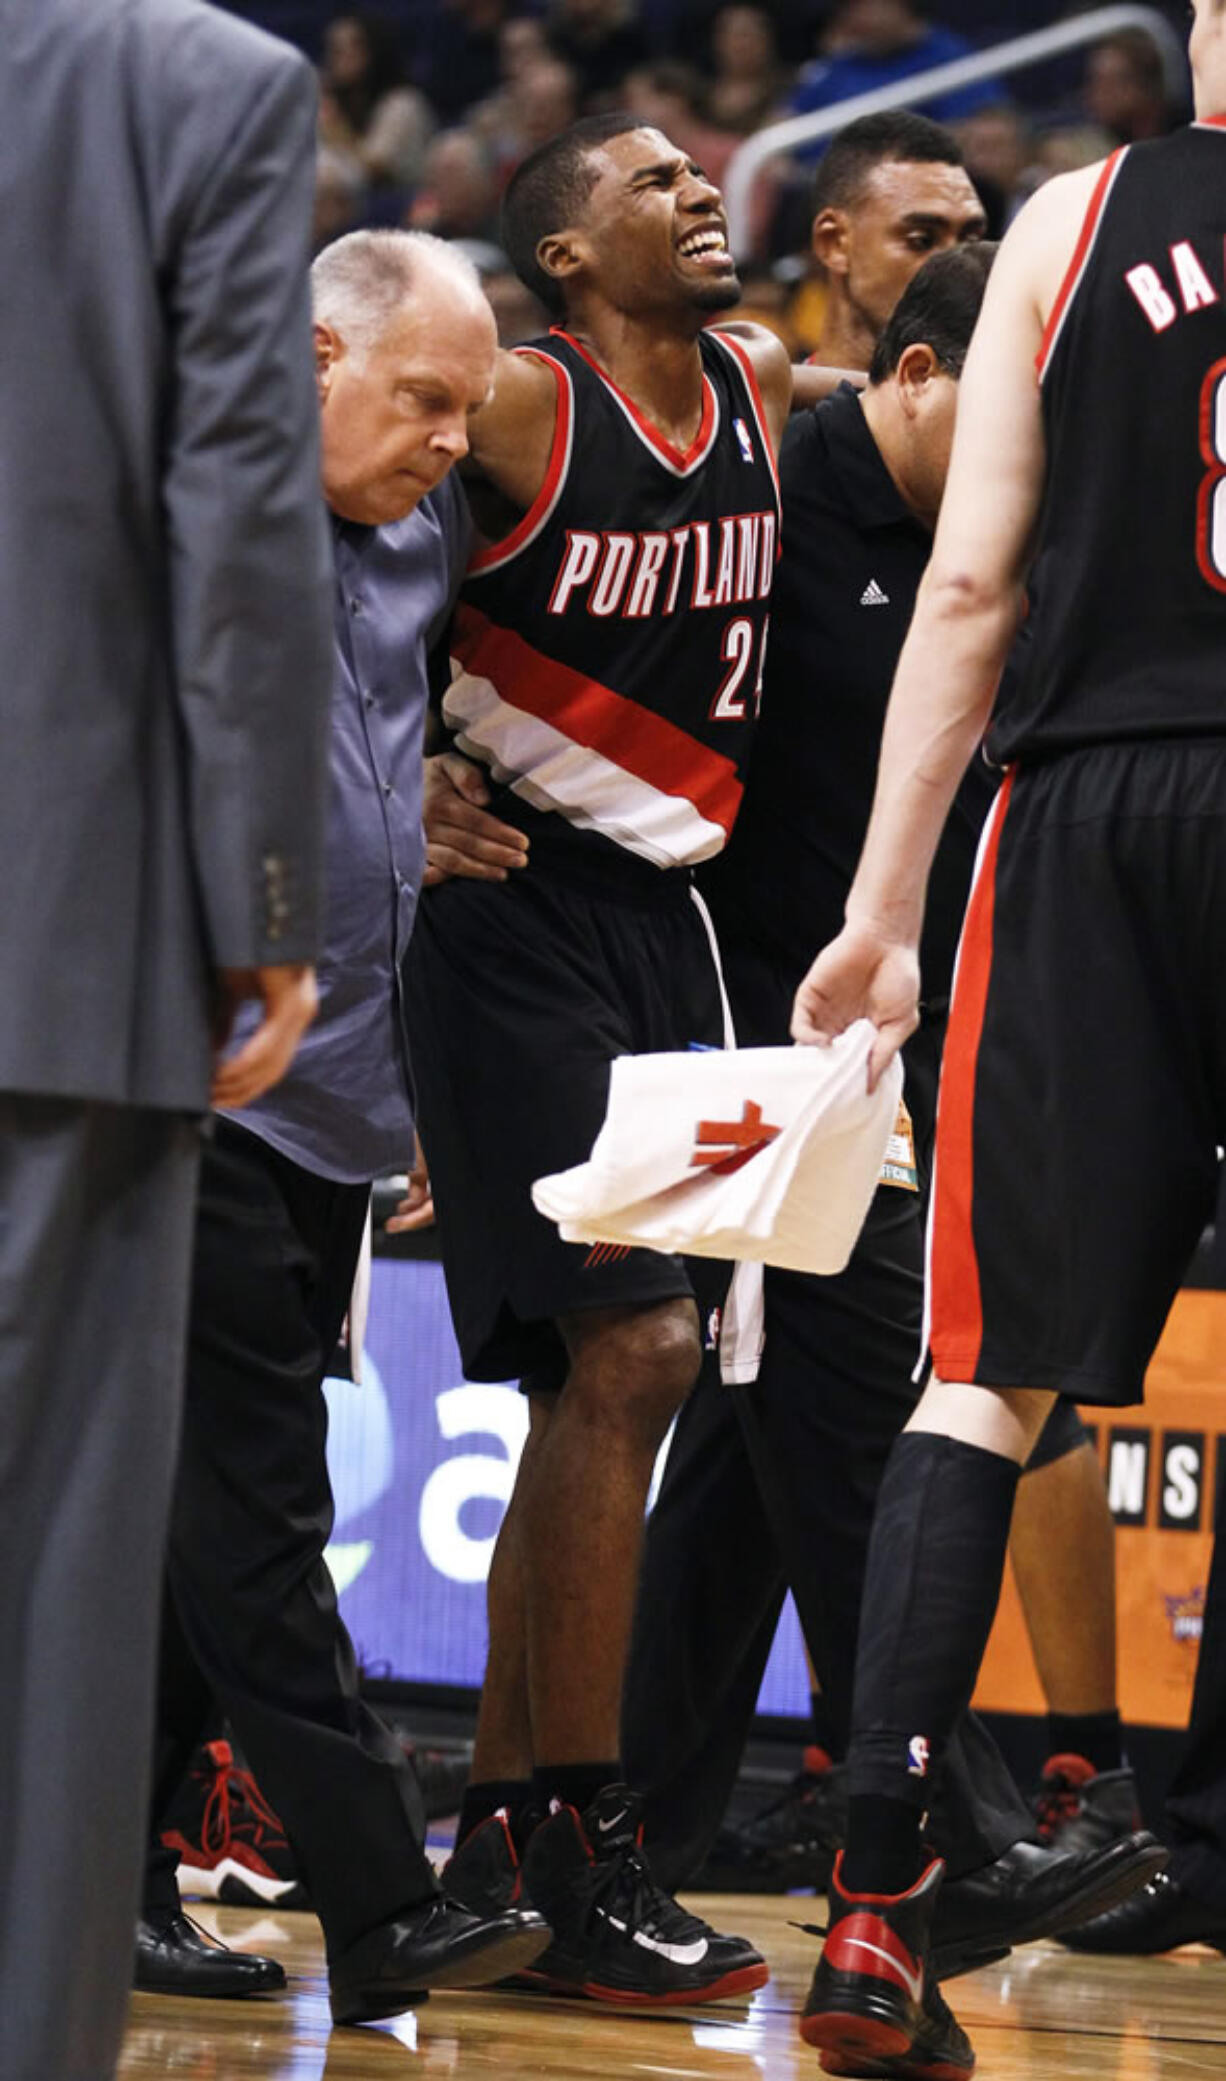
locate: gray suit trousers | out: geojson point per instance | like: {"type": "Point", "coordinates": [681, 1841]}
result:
{"type": "Point", "coordinates": [96, 1206]}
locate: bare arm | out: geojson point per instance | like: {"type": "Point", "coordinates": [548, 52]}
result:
{"type": "Point", "coordinates": [811, 383]}
{"type": "Point", "coordinates": [966, 616]}
{"type": "Point", "coordinates": [511, 437]}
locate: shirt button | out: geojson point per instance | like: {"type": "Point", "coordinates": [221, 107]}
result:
{"type": "Point", "coordinates": [368, 700]}
{"type": "Point", "coordinates": [355, 606]}
{"type": "Point", "coordinates": [387, 787]}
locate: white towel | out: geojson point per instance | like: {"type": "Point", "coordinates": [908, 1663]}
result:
{"type": "Point", "coordinates": [767, 1154]}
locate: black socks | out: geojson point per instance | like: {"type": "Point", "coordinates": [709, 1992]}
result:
{"type": "Point", "coordinates": [884, 1853]}
{"type": "Point", "coordinates": [527, 1800]}
{"type": "Point", "coordinates": [574, 1784]}
{"type": "Point", "coordinates": [516, 1795]}
{"type": "Point", "coordinates": [932, 1586]}
{"type": "Point", "coordinates": [1094, 1735]}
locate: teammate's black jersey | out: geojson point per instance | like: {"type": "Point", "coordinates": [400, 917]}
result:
{"type": "Point", "coordinates": [612, 644]}
{"type": "Point", "coordinates": [1129, 636]}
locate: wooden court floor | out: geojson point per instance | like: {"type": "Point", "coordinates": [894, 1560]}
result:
{"type": "Point", "coordinates": [1043, 2015]}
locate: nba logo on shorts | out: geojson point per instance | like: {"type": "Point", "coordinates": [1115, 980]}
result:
{"type": "Point", "coordinates": [917, 1756]}
{"type": "Point", "coordinates": [742, 434]}
{"type": "Point", "coordinates": [714, 1322]}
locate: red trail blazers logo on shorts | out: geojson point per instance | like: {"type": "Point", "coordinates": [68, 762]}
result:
{"type": "Point", "coordinates": [724, 1146]}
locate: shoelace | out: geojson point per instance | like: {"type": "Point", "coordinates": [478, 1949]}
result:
{"type": "Point", "coordinates": [626, 1886]}
{"type": "Point", "coordinates": [1058, 1801]}
{"type": "Point", "coordinates": [236, 1806]}
{"type": "Point", "coordinates": [167, 1926]}
{"type": "Point", "coordinates": [214, 1942]}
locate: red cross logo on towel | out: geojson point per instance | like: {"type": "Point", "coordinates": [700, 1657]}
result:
{"type": "Point", "coordinates": [724, 1146]}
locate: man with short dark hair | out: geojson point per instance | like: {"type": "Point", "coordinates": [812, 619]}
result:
{"type": "Point", "coordinates": [889, 190]}
{"type": "Point", "coordinates": [611, 633]}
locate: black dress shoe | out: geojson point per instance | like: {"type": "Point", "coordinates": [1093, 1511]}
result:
{"type": "Point", "coordinates": [1158, 1918]}
{"type": "Point", "coordinates": [174, 1957]}
{"type": "Point", "coordinates": [439, 1944]}
{"type": "Point", "coordinates": [1030, 1893]}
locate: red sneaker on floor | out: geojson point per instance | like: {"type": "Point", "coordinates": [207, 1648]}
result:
{"type": "Point", "coordinates": [234, 1849]}
{"type": "Point", "coordinates": [874, 2008]}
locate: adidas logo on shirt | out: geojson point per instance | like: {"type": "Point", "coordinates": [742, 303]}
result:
{"type": "Point", "coordinates": [873, 596]}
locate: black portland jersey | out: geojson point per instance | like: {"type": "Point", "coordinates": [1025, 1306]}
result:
{"type": "Point", "coordinates": [612, 645]}
{"type": "Point", "coordinates": [1129, 631]}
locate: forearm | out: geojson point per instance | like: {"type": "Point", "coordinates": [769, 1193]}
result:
{"type": "Point", "coordinates": [812, 383]}
{"type": "Point", "coordinates": [939, 709]}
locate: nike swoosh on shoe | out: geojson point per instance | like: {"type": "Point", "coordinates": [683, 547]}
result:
{"type": "Point", "coordinates": [676, 1954]}
{"type": "Point", "coordinates": [913, 1982]}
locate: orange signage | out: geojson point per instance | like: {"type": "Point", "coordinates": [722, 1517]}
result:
{"type": "Point", "coordinates": [1163, 1462]}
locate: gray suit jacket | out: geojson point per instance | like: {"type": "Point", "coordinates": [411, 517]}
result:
{"type": "Point", "coordinates": [164, 566]}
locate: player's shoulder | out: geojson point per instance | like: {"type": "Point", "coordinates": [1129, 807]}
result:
{"type": "Point", "coordinates": [771, 367]}
{"type": "Point", "coordinates": [1052, 220]}
{"type": "Point", "coordinates": [1040, 245]}
{"type": "Point", "coordinates": [527, 374]}
{"type": "Point", "coordinates": [766, 351]}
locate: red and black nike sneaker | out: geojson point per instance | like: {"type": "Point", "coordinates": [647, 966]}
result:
{"type": "Point", "coordinates": [232, 1846]}
{"type": "Point", "coordinates": [617, 1935]}
{"type": "Point", "coordinates": [874, 2008]}
{"type": "Point", "coordinates": [941, 2050]}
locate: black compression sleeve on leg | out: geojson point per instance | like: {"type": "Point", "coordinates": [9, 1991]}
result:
{"type": "Point", "coordinates": [512, 1795]}
{"type": "Point", "coordinates": [935, 1565]}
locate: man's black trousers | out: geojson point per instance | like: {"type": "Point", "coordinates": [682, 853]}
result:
{"type": "Point", "coordinates": [250, 1618]}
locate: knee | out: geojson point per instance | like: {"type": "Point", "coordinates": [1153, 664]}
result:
{"type": "Point", "coordinates": [636, 1370]}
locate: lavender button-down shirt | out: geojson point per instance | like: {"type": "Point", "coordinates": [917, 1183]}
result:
{"type": "Point", "coordinates": [345, 1108]}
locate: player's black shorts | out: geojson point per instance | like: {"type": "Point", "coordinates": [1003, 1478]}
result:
{"type": "Point", "coordinates": [520, 994]}
{"type": "Point", "coordinates": [1083, 1092]}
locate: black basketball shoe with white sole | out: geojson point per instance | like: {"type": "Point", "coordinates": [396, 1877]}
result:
{"type": "Point", "coordinates": [617, 1935]}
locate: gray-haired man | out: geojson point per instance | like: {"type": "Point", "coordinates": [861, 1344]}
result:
{"type": "Point", "coordinates": [405, 349]}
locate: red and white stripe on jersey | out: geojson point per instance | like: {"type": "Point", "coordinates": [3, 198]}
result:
{"type": "Point", "coordinates": [953, 1304]}
{"type": "Point", "coordinates": [744, 361]}
{"type": "Point", "coordinates": [606, 763]}
{"type": "Point", "coordinates": [1077, 266]}
{"type": "Point", "coordinates": [537, 516]}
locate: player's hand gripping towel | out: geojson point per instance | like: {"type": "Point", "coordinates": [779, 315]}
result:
{"type": "Point", "coordinates": [761, 1153]}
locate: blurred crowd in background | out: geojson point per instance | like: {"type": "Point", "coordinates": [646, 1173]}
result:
{"type": "Point", "coordinates": [427, 106]}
